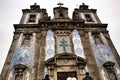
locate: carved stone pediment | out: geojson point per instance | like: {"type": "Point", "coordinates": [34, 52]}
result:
{"type": "Point", "coordinates": [19, 66]}
{"type": "Point", "coordinates": [50, 61]}
{"type": "Point", "coordinates": [109, 65]}
{"type": "Point", "coordinates": [66, 59]}
{"type": "Point", "coordinates": [65, 55]}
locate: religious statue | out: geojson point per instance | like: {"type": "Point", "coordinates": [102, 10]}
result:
{"type": "Point", "coordinates": [97, 39]}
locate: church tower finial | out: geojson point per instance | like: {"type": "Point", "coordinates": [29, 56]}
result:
{"type": "Point", "coordinates": [60, 4]}
{"type": "Point", "coordinates": [35, 3]}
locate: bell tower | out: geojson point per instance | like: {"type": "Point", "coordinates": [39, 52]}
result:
{"type": "Point", "coordinates": [61, 47]}
{"type": "Point", "coordinates": [23, 57]}
{"type": "Point", "coordinates": [102, 58]}
{"type": "Point", "coordinates": [60, 12]}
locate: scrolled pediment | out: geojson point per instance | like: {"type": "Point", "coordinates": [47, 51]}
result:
{"type": "Point", "coordinates": [109, 63]}
{"type": "Point", "coordinates": [71, 59]}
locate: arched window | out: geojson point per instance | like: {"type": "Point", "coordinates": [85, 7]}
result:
{"type": "Point", "coordinates": [61, 15]}
{"type": "Point", "coordinates": [19, 72]}
{"type": "Point", "coordinates": [109, 66]}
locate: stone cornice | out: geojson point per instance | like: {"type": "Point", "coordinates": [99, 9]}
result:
{"type": "Point", "coordinates": [29, 10]}
{"type": "Point", "coordinates": [16, 26]}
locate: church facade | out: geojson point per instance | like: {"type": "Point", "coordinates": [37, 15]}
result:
{"type": "Point", "coordinates": [61, 47]}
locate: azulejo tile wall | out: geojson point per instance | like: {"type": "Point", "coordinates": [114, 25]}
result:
{"type": "Point", "coordinates": [23, 55]}
{"type": "Point", "coordinates": [103, 54]}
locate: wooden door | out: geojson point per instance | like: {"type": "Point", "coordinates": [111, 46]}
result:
{"type": "Point", "coordinates": [65, 75]}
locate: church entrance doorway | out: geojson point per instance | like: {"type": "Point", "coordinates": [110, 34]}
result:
{"type": "Point", "coordinates": [65, 75]}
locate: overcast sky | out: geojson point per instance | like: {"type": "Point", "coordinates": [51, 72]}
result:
{"type": "Point", "coordinates": [11, 12]}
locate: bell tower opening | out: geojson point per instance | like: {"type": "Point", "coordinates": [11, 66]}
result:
{"type": "Point", "coordinates": [61, 15]}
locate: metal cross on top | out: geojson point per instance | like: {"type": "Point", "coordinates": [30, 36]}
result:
{"type": "Point", "coordinates": [60, 4]}
{"type": "Point", "coordinates": [63, 44]}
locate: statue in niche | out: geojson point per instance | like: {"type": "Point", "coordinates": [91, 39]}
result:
{"type": "Point", "coordinates": [26, 40]}
{"type": "Point", "coordinates": [97, 39]}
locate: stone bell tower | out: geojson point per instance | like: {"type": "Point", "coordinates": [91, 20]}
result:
{"type": "Point", "coordinates": [61, 47]}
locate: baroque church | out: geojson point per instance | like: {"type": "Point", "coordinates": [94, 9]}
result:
{"type": "Point", "coordinates": [61, 47]}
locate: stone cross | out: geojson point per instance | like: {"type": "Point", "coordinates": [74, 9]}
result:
{"type": "Point", "coordinates": [63, 44]}
{"type": "Point", "coordinates": [60, 4]}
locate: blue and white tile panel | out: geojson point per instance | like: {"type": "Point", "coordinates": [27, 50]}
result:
{"type": "Point", "coordinates": [24, 55]}
{"type": "Point", "coordinates": [78, 48]}
{"type": "Point", "coordinates": [50, 49]}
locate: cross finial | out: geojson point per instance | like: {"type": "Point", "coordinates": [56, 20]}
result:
{"type": "Point", "coordinates": [83, 3]}
{"type": "Point", "coordinates": [35, 3]}
{"type": "Point", "coordinates": [60, 4]}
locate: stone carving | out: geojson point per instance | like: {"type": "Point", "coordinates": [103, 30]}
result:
{"type": "Point", "coordinates": [26, 40]}
{"type": "Point", "coordinates": [63, 44]}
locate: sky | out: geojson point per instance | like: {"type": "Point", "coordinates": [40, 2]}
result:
{"type": "Point", "coordinates": [11, 12]}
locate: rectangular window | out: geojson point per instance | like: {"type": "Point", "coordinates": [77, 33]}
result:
{"type": "Point", "coordinates": [32, 18]}
{"type": "Point", "coordinates": [88, 18]}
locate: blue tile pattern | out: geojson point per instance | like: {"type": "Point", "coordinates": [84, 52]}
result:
{"type": "Point", "coordinates": [49, 45]}
{"type": "Point", "coordinates": [103, 54]}
{"type": "Point", "coordinates": [77, 44]}
{"type": "Point", "coordinates": [23, 55]}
